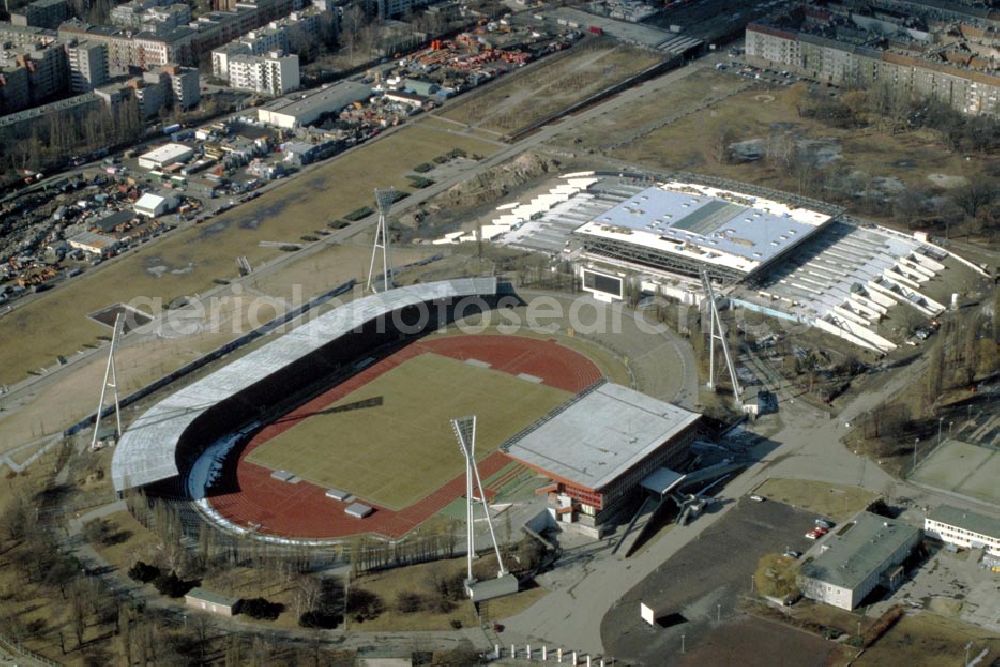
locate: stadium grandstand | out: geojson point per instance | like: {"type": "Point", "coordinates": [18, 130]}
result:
{"type": "Point", "coordinates": [161, 445]}
{"type": "Point", "coordinates": [598, 450]}
{"type": "Point", "coordinates": [686, 227]}
{"type": "Point", "coordinates": [776, 253]}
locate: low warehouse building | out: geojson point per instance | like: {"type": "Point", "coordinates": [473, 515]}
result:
{"type": "Point", "coordinates": [164, 156]}
{"type": "Point", "coordinates": [301, 110]}
{"type": "Point", "coordinates": [598, 449]}
{"type": "Point", "coordinates": [963, 528]}
{"type": "Point", "coordinates": [152, 205]}
{"type": "Point", "coordinates": [863, 554]}
{"type": "Point", "coordinates": [98, 245]}
{"type": "Point", "coordinates": [214, 603]}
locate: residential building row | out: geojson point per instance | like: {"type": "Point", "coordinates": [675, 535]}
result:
{"type": "Point", "coordinates": [254, 54]}
{"type": "Point", "coordinates": [920, 58]}
{"type": "Point", "coordinates": [34, 75]}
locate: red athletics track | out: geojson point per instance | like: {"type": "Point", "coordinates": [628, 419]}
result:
{"type": "Point", "coordinates": [303, 510]}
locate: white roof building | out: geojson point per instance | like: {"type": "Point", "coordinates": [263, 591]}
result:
{"type": "Point", "coordinates": [152, 205]}
{"type": "Point", "coordinates": [165, 155]}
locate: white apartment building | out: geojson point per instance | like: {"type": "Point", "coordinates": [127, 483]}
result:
{"type": "Point", "coordinates": [963, 528]}
{"type": "Point", "coordinates": [272, 74]}
{"type": "Point", "coordinates": [88, 65]}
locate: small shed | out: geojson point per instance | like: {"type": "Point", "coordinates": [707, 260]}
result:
{"type": "Point", "coordinates": [337, 494]}
{"type": "Point", "coordinates": [214, 603]}
{"type": "Point", "coordinates": [358, 510]}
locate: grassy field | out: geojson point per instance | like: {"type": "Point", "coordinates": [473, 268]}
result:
{"type": "Point", "coordinates": [398, 452]}
{"type": "Point", "coordinates": [555, 84]}
{"type": "Point", "coordinates": [834, 501]}
{"type": "Point", "coordinates": [55, 324]}
{"type": "Point", "coordinates": [931, 640]}
{"type": "Point", "coordinates": [962, 468]}
{"type": "Point", "coordinates": [132, 542]}
{"type": "Point", "coordinates": [419, 579]}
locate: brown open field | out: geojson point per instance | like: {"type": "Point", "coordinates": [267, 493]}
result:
{"type": "Point", "coordinates": [56, 324]}
{"type": "Point", "coordinates": [928, 639]}
{"type": "Point", "coordinates": [143, 358]}
{"type": "Point", "coordinates": [833, 501]}
{"type": "Point", "coordinates": [398, 452]}
{"type": "Point", "coordinates": [917, 158]}
{"type": "Point", "coordinates": [559, 81]}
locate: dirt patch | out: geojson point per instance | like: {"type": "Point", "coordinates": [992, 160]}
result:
{"type": "Point", "coordinates": [947, 180]}
{"type": "Point", "coordinates": [555, 84]}
{"type": "Point", "coordinates": [132, 317]}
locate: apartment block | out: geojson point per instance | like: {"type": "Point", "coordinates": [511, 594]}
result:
{"type": "Point", "coordinates": [837, 45]}
{"type": "Point", "coordinates": [272, 74]}
{"type": "Point", "coordinates": [42, 14]}
{"type": "Point", "coordinates": [88, 65]}
{"type": "Point", "coordinates": [185, 85]}
{"type": "Point", "coordinates": [32, 75]}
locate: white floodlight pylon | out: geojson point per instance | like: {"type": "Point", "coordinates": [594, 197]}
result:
{"type": "Point", "coordinates": [718, 332]}
{"type": "Point", "coordinates": [465, 433]}
{"type": "Point", "coordinates": [383, 200]}
{"type": "Point", "coordinates": [110, 380]}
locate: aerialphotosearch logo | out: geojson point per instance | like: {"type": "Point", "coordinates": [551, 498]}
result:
{"type": "Point", "coordinates": [238, 312]}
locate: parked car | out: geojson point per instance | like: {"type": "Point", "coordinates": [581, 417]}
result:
{"type": "Point", "coordinates": [825, 523]}
{"type": "Point", "coordinates": [757, 498]}
{"type": "Point", "coordinates": [791, 553]}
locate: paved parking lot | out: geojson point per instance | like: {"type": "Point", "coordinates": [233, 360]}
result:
{"type": "Point", "coordinates": [699, 589]}
{"type": "Point", "coordinates": [952, 585]}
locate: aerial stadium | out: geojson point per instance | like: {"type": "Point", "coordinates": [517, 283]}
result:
{"type": "Point", "coordinates": [786, 256]}
{"type": "Point", "coordinates": [340, 427]}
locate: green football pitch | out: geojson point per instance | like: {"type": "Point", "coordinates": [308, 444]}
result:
{"type": "Point", "coordinates": [399, 448]}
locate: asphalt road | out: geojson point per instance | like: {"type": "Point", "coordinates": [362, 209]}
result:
{"type": "Point", "coordinates": [702, 584]}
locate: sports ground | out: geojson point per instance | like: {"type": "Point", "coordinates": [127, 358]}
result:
{"type": "Point", "coordinates": [397, 446]}
{"type": "Point", "coordinates": [962, 468]}
{"type": "Point", "coordinates": [383, 435]}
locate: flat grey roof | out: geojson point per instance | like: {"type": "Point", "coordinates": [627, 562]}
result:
{"type": "Point", "coordinates": [332, 98]}
{"type": "Point", "coordinates": [852, 557]}
{"type": "Point", "coordinates": [971, 521]}
{"type": "Point", "coordinates": [600, 436]}
{"type": "Point", "coordinates": [711, 223]}
{"type": "Point", "coordinates": [145, 453]}
{"type": "Point", "coordinates": [199, 593]}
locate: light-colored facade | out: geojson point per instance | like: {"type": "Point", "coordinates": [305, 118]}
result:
{"type": "Point", "coordinates": [271, 75]}
{"type": "Point", "coordinates": [88, 65]}
{"type": "Point", "coordinates": [213, 603]}
{"type": "Point", "coordinates": [165, 155]}
{"type": "Point", "coordinates": [185, 85]}
{"type": "Point", "coordinates": [857, 557]}
{"type": "Point", "coordinates": [965, 529]}
{"type": "Point", "coordinates": [969, 91]}
{"type": "Point", "coordinates": [126, 49]}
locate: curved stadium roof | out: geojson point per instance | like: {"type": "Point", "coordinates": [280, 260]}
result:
{"type": "Point", "coordinates": [146, 452]}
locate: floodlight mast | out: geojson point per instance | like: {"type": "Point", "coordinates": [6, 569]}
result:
{"type": "Point", "coordinates": [718, 332]}
{"type": "Point", "coordinates": [465, 433]}
{"type": "Point", "coordinates": [110, 380]}
{"type": "Point", "coordinates": [384, 199]}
